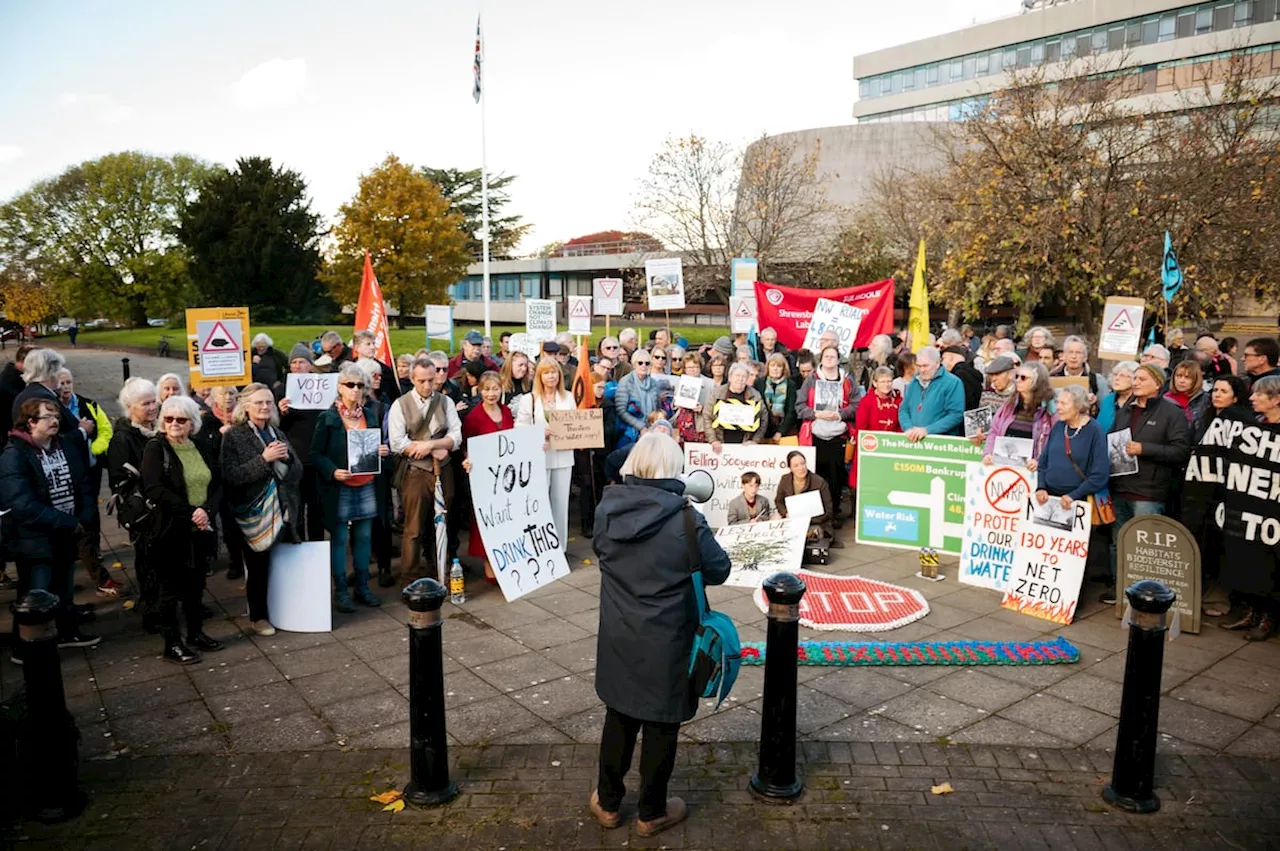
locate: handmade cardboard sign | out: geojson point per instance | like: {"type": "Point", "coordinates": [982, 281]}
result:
{"type": "Point", "coordinates": [994, 502]}
{"type": "Point", "coordinates": [758, 550]}
{"type": "Point", "coordinates": [576, 429]}
{"type": "Point", "coordinates": [769, 461]}
{"type": "Point", "coordinates": [853, 603]}
{"type": "Point", "coordinates": [1052, 545]}
{"type": "Point", "coordinates": [1156, 547]}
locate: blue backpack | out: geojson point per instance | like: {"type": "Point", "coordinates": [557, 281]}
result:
{"type": "Point", "coordinates": [717, 651]}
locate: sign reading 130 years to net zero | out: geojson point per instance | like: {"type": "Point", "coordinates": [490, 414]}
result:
{"type": "Point", "coordinates": [912, 495]}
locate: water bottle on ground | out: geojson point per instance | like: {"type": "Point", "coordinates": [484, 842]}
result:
{"type": "Point", "coordinates": [457, 584]}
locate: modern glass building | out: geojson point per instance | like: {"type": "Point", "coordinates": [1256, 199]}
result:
{"type": "Point", "coordinates": [1169, 45]}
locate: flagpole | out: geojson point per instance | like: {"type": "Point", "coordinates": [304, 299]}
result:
{"type": "Point", "coordinates": [484, 200]}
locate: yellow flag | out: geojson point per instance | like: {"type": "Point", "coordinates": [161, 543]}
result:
{"type": "Point", "coordinates": [918, 318]}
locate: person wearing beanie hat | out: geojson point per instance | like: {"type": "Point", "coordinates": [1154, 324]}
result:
{"type": "Point", "coordinates": [724, 346]}
{"type": "Point", "coordinates": [1158, 438]}
{"type": "Point", "coordinates": [300, 351]}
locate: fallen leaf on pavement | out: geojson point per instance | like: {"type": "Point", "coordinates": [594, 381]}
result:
{"type": "Point", "coordinates": [944, 789]}
{"type": "Point", "coordinates": [128, 604]}
{"type": "Point", "coordinates": [388, 797]}
{"type": "Point", "coordinates": [394, 807]}
{"type": "Point", "coordinates": [586, 561]}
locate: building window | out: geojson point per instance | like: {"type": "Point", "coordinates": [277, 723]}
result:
{"type": "Point", "coordinates": [895, 83]}
{"type": "Point", "coordinates": [931, 75]}
{"type": "Point", "coordinates": [981, 64]}
{"type": "Point", "coordinates": [1266, 11]}
{"type": "Point", "coordinates": [908, 81]}
{"type": "Point", "coordinates": [920, 79]}
{"type": "Point", "coordinates": [1115, 38]}
{"type": "Point", "coordinates": [956, 70]}
{"type": "Point", "coordinates": [864, 88]}
{"type": "Point", "coordinates": [1167, 28]}
{"type": "Point", "coordinates": [1151, 31]}
{"type": "Point", "coordinates": [1008, 59]}
{"type": "Point", "coordinates": [1204, 21]}
{"type": "Point", "coordinates": [968, 66]}
{"type": "Point", "coordinates": [1068, 47]}
{"type": "Point", "coordinates": [1099, 41]}
{"type": "Point", "coordinates": [1053, 51]}
{"type": "Point", "coordinates": [1186, 24]}
{"type": "Point", "coordinates": [510, 289]}
{"type": "Point", "coordinates": [1037, 53]}
{"type": "Point", "coordinates": [1133, 34]}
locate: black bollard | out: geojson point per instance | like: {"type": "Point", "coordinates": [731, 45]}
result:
{"type": "Point", "coordinates": [776, 780]}
{"type": "Point", "coordinates": [429, 782]}
{"type": "Point", "coordinates": [1132, 785]}
{"type": "Point", "coordinates": [124, 367]}
{"type": "Point", "coordinates": [48, 751]}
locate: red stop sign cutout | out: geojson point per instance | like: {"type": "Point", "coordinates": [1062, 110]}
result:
{"type": "Point", "coordinates": [853, 603]}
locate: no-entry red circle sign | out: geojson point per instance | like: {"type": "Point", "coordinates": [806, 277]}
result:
{"type": "Point", "coordinates": [1006, 490]}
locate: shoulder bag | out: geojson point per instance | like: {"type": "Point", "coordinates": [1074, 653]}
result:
{"type": "Point", "coordinates": [717, 651]}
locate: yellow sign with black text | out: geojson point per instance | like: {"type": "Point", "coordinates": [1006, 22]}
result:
{"type": "Point", "coordinates": [218, 346]}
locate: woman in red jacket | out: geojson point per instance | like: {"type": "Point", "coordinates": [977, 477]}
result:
{"type": "Point", "coordinates": [878, 411]}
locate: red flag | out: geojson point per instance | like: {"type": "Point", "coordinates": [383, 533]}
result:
{"type": "Point", "coordinates": [788, 310]}
{"type": "Point", "coordinates": [584, 389]}
{"type": "Point", "coordinates": [371, 312]}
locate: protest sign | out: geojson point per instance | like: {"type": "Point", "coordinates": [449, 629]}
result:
{"type": "Point", "coordinates": [853, 603]}
{"type": "Point", "coordinates": [843, 319]}
{"type": "Point", "coordinates": [758, 550]}
{"type": "Point", "coordinates": [218, 346]}
{"type": "Point", "coordinates": [522, 342]}
{"type": "Point", "coordinates": [742, 275]}
{"type": "Point", "coordinates": [1121, 328]}
{"type": "Point", "coordinates": [664, 282]}
{"type": "Point", "coordinates": [804, 505]}
{"type": "Point", "coordinates": [1051, 548]}
{"type": "Point", "coordinates": [362, 450]}
{"type": "Point", "coordinates": [311, 391]}
{"type": "Point", "coordinates": [770, 462]}
{"type": "Point", "coordinates": [742, 314]}
{"type": "Point", "coordinates": [1152, 546]}
{"type": "Point", "coordinates": [513, 511]}
{"type": "Point", "coordinates": [912, 495]}
{"type": "Point", "coordinates": [789, 310]}
{"type": "Point", "coordinates": [688, 392]}
{"type": "Point", "coordinates": [581, 428]}
{"type": "Point", "coordinates": [1012, 451]}
{"type": "Point", "coordinates": [739, 416]}
{"type": "Point", "coordinates": [1122, 463]}
{"type": "Point", "coordinates": [978, 421]}
{"type": "Point", "coordinates": [439, 321]}
{"type": "Point", "coordinates": [607, 296]}
{"type": "Point", "coordinates": [994, 501]}
{"type": "Point", "coordinates": [579, 314]}
{"type": "Point", "coordinates": [540, 319]}
{"type": "Point", "coordinates": [298, 595]}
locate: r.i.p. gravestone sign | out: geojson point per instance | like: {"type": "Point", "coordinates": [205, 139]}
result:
{"type": "Point", "coordinates": [1155, 547]}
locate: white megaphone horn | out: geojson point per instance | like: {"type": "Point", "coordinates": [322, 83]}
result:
{"type": "Point", "coordinates": [698, 485]}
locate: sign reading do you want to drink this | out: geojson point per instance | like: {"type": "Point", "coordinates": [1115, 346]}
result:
{"type": "Point", "coordinates": [509, 489]}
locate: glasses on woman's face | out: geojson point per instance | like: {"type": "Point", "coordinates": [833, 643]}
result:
{"type": "Point", "coordinates": [352, 384]}
{"type": "Point", "coordinates": [611, 348]}
{"type": "Point", "coordinates": [44, 418]}
{"type": "Point", "coordinates": [640, 363]}
{"type": "Point", "coordinates": [1021, 377]}
{"type": "Point", "coordinates": [171, 420]}
{"type": "Point", "coordinates": [659, 357]}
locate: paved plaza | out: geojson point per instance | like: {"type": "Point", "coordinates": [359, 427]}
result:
{"type": "Point", "coordinates": [244, 748]}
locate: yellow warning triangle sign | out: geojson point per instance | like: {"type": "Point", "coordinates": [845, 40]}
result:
{"type": "Point", "coordinates": [1122, 322]}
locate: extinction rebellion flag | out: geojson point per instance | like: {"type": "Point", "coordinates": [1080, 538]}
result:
{"type": "Point", "coordinates": [1233, 480]}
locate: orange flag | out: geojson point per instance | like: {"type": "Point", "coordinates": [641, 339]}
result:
{"type": "Point", "coordinates": [371, 312]}
{"type": "Point", "coordinates": [584, 391]}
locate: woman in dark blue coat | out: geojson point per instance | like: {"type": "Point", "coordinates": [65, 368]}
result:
{"type": "Point", "coordinates": [648, 618]}
{"type": "Point", "coordinates": [44, 486]}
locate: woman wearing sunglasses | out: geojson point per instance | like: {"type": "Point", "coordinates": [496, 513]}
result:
{"type": "Point", "coordinates": [1028, 413]}
{"type": "Point", "coordinates": [180, 478]}
{"type": "Point", "coordinates": [351, 500]}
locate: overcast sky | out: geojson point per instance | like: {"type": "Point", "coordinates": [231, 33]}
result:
{"type": "Point", "coordinates": [580, 94]}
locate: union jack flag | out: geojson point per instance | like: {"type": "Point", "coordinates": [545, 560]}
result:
{"type": "Point", "coordinates": [478, 60]}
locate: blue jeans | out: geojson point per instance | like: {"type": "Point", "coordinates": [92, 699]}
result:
{"type": "Point", "coordinates": [361, 538]}
{"type": "Point", "coordinates": [1126, 510]}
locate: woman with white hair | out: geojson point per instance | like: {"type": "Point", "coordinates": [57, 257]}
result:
{"type": "Point", "coordinates": [735, 411]}
{"type": "Point", "coordinates": [262, 472]}
{"type": "Point", "coordinates": [40, 372]}
{"type": "Point", "coordinates": [182, 481]}
{"type": "Point", "coordinates": [1037, 337]}
{"type": "Point", "coordinates": [1121, 392]}
{"type": "Point", "coordinates": [270, 365]}
{"type": "Point", "coordinates": [1074, 464]}
{"type": "Point", "coordinates": [169, 384]}
{"type": "Point", "coordinates": [645, 540]}
{"type": "Point", "coordinates": [124, 475]}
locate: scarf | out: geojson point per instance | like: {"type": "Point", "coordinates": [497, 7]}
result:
{"type": "Point", "coordinates": [775, 396]}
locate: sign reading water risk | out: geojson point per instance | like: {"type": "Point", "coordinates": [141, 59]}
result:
{"type": "Point", "coordinates": [912, 495]}
{"type": "Point", "coordinates": [218, 346]}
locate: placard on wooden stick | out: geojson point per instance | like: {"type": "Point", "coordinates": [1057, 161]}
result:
{"type": "Point", "coordinates": [576, 429]}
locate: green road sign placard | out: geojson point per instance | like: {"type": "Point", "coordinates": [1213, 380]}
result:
{"type": "Point", "coordinates": [912, 495]}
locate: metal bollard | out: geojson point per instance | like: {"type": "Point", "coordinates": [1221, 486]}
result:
{"type": "Point", "coordinates": [429, 782]}
{"type": "Point", "coordinates": [49, 756]}
{"type": "Point", "coordinates": [124, 367]}
{"type": "Point", "coordinates": [1133, 773]}
{"type": "Point", "coordinates": [776, 779]}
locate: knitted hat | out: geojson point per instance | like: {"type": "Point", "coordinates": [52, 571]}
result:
{"type": "Point", "coordinates": [1157, 374]}
{"type": "Point", "coordinates": [661, 425]}
{"type": "Point", "coordinates": [300, 351]}
{"type": "Point", "coordinates": [724, 346]}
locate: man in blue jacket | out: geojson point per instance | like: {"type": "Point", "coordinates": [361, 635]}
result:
{"type": "Point", "coordinates": [934, 400]}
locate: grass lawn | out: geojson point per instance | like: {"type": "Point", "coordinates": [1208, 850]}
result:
{"type": "Point", "coordinates": [408, 340]}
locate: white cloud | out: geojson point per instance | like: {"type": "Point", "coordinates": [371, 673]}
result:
{"type": "Point", "coordinates": [275, 82]}
{"type": "Point", "coordinates": [105, 107]}
{"type": "Point", "coordinates": [9, 153]}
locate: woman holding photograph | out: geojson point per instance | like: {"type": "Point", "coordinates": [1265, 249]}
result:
{"type": "Point", "coordinates": [827, 405]}
{"type": "Point", "coordinates": [351, 500]}
{"type": "Point", "coordinates": [1073, 463]}
{"type": "Point", "coordinates": [1027, 414]}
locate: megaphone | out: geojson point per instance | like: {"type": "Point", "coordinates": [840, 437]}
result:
{"type": "Point", "coordinates": [698, 485]}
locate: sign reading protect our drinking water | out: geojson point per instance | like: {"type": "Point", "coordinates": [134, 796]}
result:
{"type": "Point", "coordinates": [912, 495]}
{"type": "Point", "coordinates": [996, 497]}
{"type": "Point", "coordinates": [509, 490]}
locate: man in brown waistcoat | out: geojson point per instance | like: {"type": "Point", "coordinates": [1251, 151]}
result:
{"type": "Point", "coordinates": [423, 429]}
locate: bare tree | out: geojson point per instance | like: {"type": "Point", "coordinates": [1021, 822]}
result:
{"type": "Point", "coordinates": [782, 212]}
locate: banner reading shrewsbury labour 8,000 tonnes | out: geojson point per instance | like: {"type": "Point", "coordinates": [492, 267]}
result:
{"type": "Point", "coordinates": [788, 310]}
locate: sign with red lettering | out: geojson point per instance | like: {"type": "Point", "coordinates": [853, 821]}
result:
{"type": "Point", "coordinates": [853, 603]}
{"type": "Point", "coordinates": [994, 497]}
{"type": "Point", "coordinates": [1051, 547]}
{"type": "Point", "coordinates": [790, 310]}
